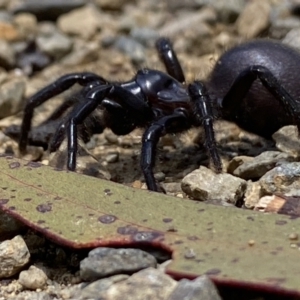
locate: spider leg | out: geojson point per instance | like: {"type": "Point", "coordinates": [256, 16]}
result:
{"type": "Point", "coordinates": [176, 122]}
{"type": "Point", "coordinates": [60, 85]}
{"type": "Point", "coordinates": [242, 85]}
{"type": "Point", "coordinates": [169, 58]}
{"type": "Point", "coordinates": [59, 111]}
{"type": "Point", "coordinates": [95, 97]}
{"type": "Point", "coordinates": [203, 110]}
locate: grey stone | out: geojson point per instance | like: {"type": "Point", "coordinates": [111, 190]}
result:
{"type": "Point", "coordinates": [150, 284]}
{"type": "Point", "coordinates": [287, 140]}
{"type": "Point", "coordinates": [82, 52]}
{"type": "Point", "coordinates": [33, 278]}
{"type": "Point", "coordinates": [14, 255]}
{"type": "Point", "coordinates": [284, 179]}
{"type": "Point", "coordinates": [205, 185]}
{"type": "Point", "coordinates": [197, 21]}
{"type": "Point", "coordinates": [52, 42]}
{"type": "Point", "coordinates": [7, 54]}
{"type": "Point", "coordinates": [132, 48]}
{"type": "Point", "coordinates": [292, 38]}
{"type": "Point", "coordinates": [252, 194]}
{"type": "Point", "coordinates": [254, 18]}
{"type": "Point", "coordinates": [199, 288]}
{"type": "Point", "coordinates": [83, 22]}
{"type": "Point", "coordinates": [102, 262]}
{"type": "Point", "coordinates": [93, 290]}
{"type": "Point", "coordinates": [259, 165]}
{"type": "Point", "coordinates": [11, 96]}
{"type": "Point", "coordinates": [144, 35]}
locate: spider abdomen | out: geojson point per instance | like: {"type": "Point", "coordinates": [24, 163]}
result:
{"type": "Point", "coordinates": [260, 112]}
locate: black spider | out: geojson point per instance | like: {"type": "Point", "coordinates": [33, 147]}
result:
{"type": "Point", "coordinates": [162, 103]}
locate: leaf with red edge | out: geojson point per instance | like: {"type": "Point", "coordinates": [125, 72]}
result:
{"type": "Point", "coordinates": [233, 246]}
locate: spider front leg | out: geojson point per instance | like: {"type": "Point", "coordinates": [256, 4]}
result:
{"type": "Point", "coordinates": [94, 98]}
{"type": "Point", "coordinates": [60, 85]}
{"type": "Point", "coordinates": [203, 110]}
{"type": "Point", "coordinates": [176, 122]}
{"type": "Point", "coordinates": [169, 58]}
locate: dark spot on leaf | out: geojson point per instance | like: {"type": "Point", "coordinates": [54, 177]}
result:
{"type": "Point", "coordinates": [27, 199]}
{"type": "Point", "coordinates": [167, 220]}
{"type": "Point", "coordinates": [79, 217]}
{"type": "Point", "coordinates": [210, 223]}
{"type": "Point", "coordinates": [14, 165]}
{"type": "Point", "coordinates": [127, 230]}
{"type": "Point", "coordinates": [172, 229]}
{"type": "Point", "coordinates": [117, 202]}
{"type": "Point", "coordinates": [12, 208]}
{"type": "Point", "coordinates": [4, 188]}
{"type": "Point", "coordinates": [43, 208]}
{"type": "Point", "coordinates": [57, 198]}
{"type": "Point", "coordinates": [193, 238]}
{"type": "Point", "coordinates": [145, 220]}
{"type": "Point", "coordinates": [41, 221]}
{"type": "Point", "coordinates": [12, 197]}
{"type": "Point", "coordinates": [107, 192]}
{"type": "Point", "coordinates": [39, 185]}
{"type": "Point", "coordinates": [178, 242]}
{"type": "Point", "coordinates": [3, 201]}
{"type": "Point", "coordinates": [250, 218]}
{"type": "Point", "coordinates": [107, 219]}
{"type": "Point", "coordinates": [201, 210]}
{"type": "Point", "coordinates": [146, 236]}
{"type": "Point", "coordinates": [235, 260]}
{"type": "Point", "coordinates": [13, 191]}
{"type": "Point", "coordinates": [213, 272]}
{"type": "Point", "coordinates": [91, 215]}
{"type": "Point", "coordinates": [279, 248]}
{"type": "Point", "coordinates": [273, 252]}
{"type": "Point", "coordinates": [280, 222]}
{"type": "Point", "coordinates": [34, 164]}
{"type": "Point", "coordinates": [276, 281]}
{"type": "Point", "coordinates": [264, 242]}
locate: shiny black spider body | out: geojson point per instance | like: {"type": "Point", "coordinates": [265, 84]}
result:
{"type": "Point", "coordinates": [256, 85]}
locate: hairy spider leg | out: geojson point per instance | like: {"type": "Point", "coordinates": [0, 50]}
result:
{"type": "Point", "coordinates": [243, 83]}
{"type": "Point", "coordinates": [176, 122]}
{"type": "Point", "coordinates": [200, 98]}
{"type": "Point", "coordinates": [58, 86]}
{"type": "Point", "coordinates": [169, 58]}
{"type": "Point", "coordinates": [94, 98]}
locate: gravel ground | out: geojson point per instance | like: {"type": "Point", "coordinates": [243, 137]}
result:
{"type": "Point", "coordinates": [42, 40]}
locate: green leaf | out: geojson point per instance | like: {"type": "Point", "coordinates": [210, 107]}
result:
{"type": "Point", "coordinates": [233, 246]}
